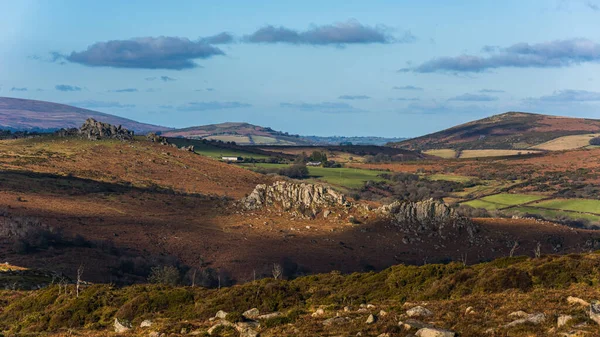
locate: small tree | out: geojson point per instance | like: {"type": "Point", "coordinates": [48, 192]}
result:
{"type": "Point", "coordinates": [167, 275]}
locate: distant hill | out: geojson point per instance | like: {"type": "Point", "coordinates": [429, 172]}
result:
{"type": "Point", "coordinates": [249, 134]}
{"type": "Point", "coordinates": [241, 133]}
{"type": "Point", "coordinates": [510, 131]}
{"type": "Point", "coordinates": [336, 140]}
{"type": "Point", "coordinates": [31, 115]}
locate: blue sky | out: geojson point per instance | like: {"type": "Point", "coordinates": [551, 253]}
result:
{"type": "Point", "coordinates": [367, 68]}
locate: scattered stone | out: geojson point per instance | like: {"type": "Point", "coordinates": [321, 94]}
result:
{"type": "Point", "coordinates": [247, 329]}
{"type": "Point", "coordinates": [269, 316]}
{"type": "Point", "coordinates": [318, 312]}
{"type": "Point", "coordinates": [335, 321]}
{"type": "Point", "coordinates": [370, 306]}
{"type": "Point", "coordinates": [371, 319]}
{"type": "Point", "coordinates": [577, 300]}
{"type": "Point", "coordinates": [411, 324]}
{"type": "Point", "coordinates": [533, 318]}
{"type": "Point", "coordinates": [419, 311]}
{"type": "Point", "coordinates": [563, 320]}
{"type": "Point", "coordinates": [221, 314]}
{"type": "Point", "coordinates": [156, 334]}
{"type": "Point", "coordinates": [220, 324]}
{"type": "Point", "coordinates": [347, 309]}
{"type": "Point", "coordinates": [146, 323]}
{"type": "Point", "coordinates": [594, 312]}
{"type": "Point", "coordinates": [384, 335]}
{"type": "Point", "coordinates": [251, 314]}
{"type": "Point", "coordinates": [382, 313]}
{"type": "Point", "coordinates": [518, 314]}
{"type": "Point", "coordinates": [470, 311]}
{"type": "Point", "coordinates": [434, 332]}
{"type": "Point", "coordinates": [121, 326]}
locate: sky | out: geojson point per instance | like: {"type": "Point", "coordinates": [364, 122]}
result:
{"type": "Point", "coordinates": [352, 68]}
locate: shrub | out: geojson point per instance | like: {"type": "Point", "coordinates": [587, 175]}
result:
{"type": "Point", "coordinates": [296, 171]}
{"type": "Point", "coordinates": [167, 275]}
{"type": "Point", "coordinates": [595, 141]}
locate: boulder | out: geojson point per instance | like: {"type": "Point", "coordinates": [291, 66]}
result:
{"type": "Point", "coordinates": [218, 325]}
{"type": "Point", "coordinates": [434, 332]}
{"type": "Point", "coordinates": [594, 312]}
{"type": "Point", "coordinates": [146, 323]}
{"type": "Point", "coordinates": [269, 316]}
{"type": "Point", "coordinates": [251, 314]}
{"type": "Point", "coordinates": [221, 314]}
{"type": "Point", "coordinates": [533, 318]}
{"type": "Point", "coordinates": [419, 311]}
{"type": "Point", "coordinates": [371, 319]}
{"type": "Point", "coordinates": [411, 324]}
{"type": "Point", "coordinates": [335, 321]}
{"type": "Point", "coordinates": [121, 326]}
{"type": "Point", "coordinates": [578, 301]}
{"type": "Point", "coordinates": [247, 329]}
{"type": "Point", "coordinates": [563, 320]}
{"type": "Point", "coordinates": [318, 312]}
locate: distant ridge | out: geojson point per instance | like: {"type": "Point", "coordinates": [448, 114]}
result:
{"type": "Point", "coordinates": [510, 131]}
{"type": "Point", "coordinates": [31, 115]}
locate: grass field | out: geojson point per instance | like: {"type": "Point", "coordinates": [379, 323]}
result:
{"type": "Point", "coordinates": [503, 200]}
{"type": "Point", "coordinates": [566, 143]}
{"type": "Point", "coordinates": [344, 177]}
{"type": "Point", "coordinates": [449, 177]}
{"type": "Point", "coordinates": [576, 205]}
{"type": "Point", "coordinates": [442, 153]}
{"type": "Point", "coordinates": [494, 153]}
{"type": "Point", "coordinates": [555, 214]}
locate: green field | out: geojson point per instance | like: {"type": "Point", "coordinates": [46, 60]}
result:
{"type": "Point", "coordinates": [450, 177]}
{"type": "Point", "coordinates": [576, 205]}
{"type": "Point", "coordinates": [555, 214]}
{"type": "Point", "coordinates": [344, 177]}
{"type": "Point", "coordinates": [503, 200]}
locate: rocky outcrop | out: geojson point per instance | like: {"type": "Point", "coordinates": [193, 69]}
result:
{"type": "Point", "coordinates": [153, 137]}
{"type": "Point", "coordinates": [308, 199]}
{"type": "Point", "coordinates": [429, 216]}
{"type": "Point", "coordinates": [94, 130]}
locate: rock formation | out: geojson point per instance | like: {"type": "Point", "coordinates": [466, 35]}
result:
{"type": "Point", "coordinates": [426, 216]}
{"type": "Point", "coordinates": [94, 130]}
{"type": "Point", "coordinates": [308, 199]}
{"type": "Point", "coordinates": [153, 137]}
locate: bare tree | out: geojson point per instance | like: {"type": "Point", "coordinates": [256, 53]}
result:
{"type": "Point", "coordinates": [194, 277]}
{"type": "Point", "coordinates": [538, 250]}
{"type": "Point", "coordinates": [463, 258]}
{"type": "Point", "coordinates": [277, 271]}
{"type": "Point", "coordinates": [514, 248]}
{"type": "Point", "coordinates": [79, 275]}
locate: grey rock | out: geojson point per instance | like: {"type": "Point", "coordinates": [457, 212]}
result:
{"type": "Point", "coordinates": [307, 199]}
{"type": "Point", "coordinates": [594, 312]}
{"type": "Point", "coordinates": [121, 326]}
{"type": "Point", "coordinates": [251, 314]}
{"type": "Point", "coordinates": [220, 324]}
{"type": "Point", "coordinates": [335, 321]}
{"type": "Point", "coordinates": [94, 130]}
{"type": "Point", "coordinates": [533, 318]}
{"type": "Point", "coordinates": [371, 319]}
{"type": "Point", "coordinates": [269, 316]}
{"type": "Point", "coordinates": [577, 300]}
{"type": "Point", "coordinates": [419, 311]}
{"type": "Point", "coordinates": [518, 314]}
{"type": "Point", "coordinates": [434, 332]}
{"type": "Point", "coordinates": [221, 314]}
{"type": "Point", "coordinates": [563, 320]}
{"type": "Point", "coordinates": [146, 323]}
{"type": "Point", "coordinates": [411, 324]}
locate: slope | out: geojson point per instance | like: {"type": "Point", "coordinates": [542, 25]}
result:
{"type": "Point", "coordinates": [26, 114]}
{"type": "Point", "coordinates": [508, 131]}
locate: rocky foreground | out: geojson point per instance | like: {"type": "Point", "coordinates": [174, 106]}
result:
{"type": "Point", "coordinates": [545, 296]}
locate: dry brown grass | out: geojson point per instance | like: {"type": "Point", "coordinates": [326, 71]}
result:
{"type": "Point", "coordinates": [494, 153]}
{"type": "Point", "coordinates": [566, 143]}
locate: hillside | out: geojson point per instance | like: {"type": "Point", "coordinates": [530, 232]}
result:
{"type": "Point", "coordinates": [519, 296]}
{"type": "Point", "coordinates": [508, 131]}
{"type": "Point", "coordinates": [240, 133]}
{"type": "Point", "coordinates": [27, 115]}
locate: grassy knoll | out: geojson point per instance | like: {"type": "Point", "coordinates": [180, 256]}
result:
{"type": "Point", "coordinates": [576, 205]}
{"type": "Point", "coordinates": [566, 143]}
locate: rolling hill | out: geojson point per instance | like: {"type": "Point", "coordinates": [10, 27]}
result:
{"type": "Point", "coordinates": [31, 115]}
{"type": "Point", "coordinates": [241, 133]}
{"type": "Point", "coordinates": [508, 131]}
